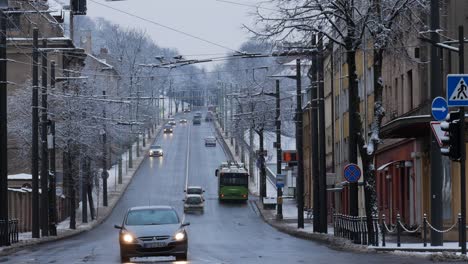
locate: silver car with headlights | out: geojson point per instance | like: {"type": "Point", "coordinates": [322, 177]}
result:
{"type": "Point", "coordinates": [156, 151]}
{"type": "Point", "coordinates": [152, 231]}
{"type": "Point", "coordinates": [193, 203]}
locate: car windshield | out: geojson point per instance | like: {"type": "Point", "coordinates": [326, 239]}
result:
{"type": "Point", "coordinates": [155, 147]}
{"type": "Point", "coordinates": [152, 217]}
{"type": "Point", "coordinates": [194, 191]}
{"type": "Point", "coordinates": [167, 127]}
{"type": "Point", "coordinates": [193, 200]}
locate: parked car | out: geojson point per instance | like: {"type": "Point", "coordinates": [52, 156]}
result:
{"type": "Point", "coordinates": [183, 121]}
{"type": "Point", "coordinates": [195, 190]}
{"type": "Point", "coordinates": [168, 129]}
{"type": "Point", "coordinates": [210, 141]}
{"type": "Point", "coordinates": [152, 231]}
{"type": "Point", "coordinates": [193, 203]}
{"type": "Point", "coordinates": [156, 151]}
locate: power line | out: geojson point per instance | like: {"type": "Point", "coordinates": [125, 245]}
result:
{"type": "Point", "coordinates": [247, 5]}
{"type": "Point", "coordinates": [166, 27]}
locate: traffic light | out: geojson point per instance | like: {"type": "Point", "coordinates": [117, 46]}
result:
{"type": "Point", "coordinates": [451, 139]}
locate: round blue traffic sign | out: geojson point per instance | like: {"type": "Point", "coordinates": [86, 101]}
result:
{"type": "Point", "coordinates": [439, 108]}
{"type": "Point", "coordinates": [352, 172]}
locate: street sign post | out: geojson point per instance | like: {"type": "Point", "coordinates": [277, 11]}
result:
{"type": "Point", "coordinates": [439, 108]}
{"type": "Point", "coordinates": [457, 90]}
{"type": "Point", "coordinates": [438, 132]}
{"type": "Point", "coordinates": [352, 173]}
{"type": "Point", "coordinates": [280, 180]}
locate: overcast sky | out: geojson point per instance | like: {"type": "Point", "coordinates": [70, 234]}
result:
{"type": "Point", "coordinates": [216, 21]}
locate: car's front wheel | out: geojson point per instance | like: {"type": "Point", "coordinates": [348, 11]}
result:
{"type": "Point", "coordinates": [181, 257]}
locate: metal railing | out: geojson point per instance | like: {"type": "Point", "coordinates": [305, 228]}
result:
{"type": "Point", "coordinates": [9, 231]}
{"type": "Point", "coordinates": [355, 229]}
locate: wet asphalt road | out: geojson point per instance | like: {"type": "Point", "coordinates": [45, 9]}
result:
{"type": "Point", "coordinates": [225, 233]}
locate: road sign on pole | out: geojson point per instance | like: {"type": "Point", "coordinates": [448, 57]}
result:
{"type": "Point", "coordinates": [352, 173]}
{"type": "Point", "coordinates": [457, 89]}
{"type": "Point", "coordinates": [280, 180]}
{"type": "Point", "coordinates": [439, 108]}
{"type": "Point", "coordinates": [438, 132]}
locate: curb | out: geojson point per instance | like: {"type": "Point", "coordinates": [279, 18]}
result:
{"type": "Point", "coordinates": [333, 242]}
{"type": "Point", "coordinates": [342, 244]}
{"type": "Point", "coordinates": [71, 233]}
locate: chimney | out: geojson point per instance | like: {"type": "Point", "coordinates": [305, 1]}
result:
{"type": "Point", "coordinates": [103, 51]}
{"type": "Point", "coordinates": [85, 42]}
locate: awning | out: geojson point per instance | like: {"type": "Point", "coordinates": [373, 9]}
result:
{"type": "Point", "coordinates": [407, 127]}
{"type": "Point", "coordinates": [388, 164]}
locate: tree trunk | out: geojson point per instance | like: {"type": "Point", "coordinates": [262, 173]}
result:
{"type": "Point", "coordinates": [368, 153]}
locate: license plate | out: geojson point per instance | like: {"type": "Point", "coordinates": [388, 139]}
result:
{"type": "Point", "coordinates": [155, 244]}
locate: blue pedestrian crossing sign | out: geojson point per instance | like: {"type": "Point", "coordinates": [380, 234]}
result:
{"type": "Point", "coordinates": [457, 90]}
{"type": "Point", "coordinates": [352, 172]}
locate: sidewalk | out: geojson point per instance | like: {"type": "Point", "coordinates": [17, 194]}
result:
{"type": "Point", "coordinates": [114, 192]}
{"type": "Point", "coordinates": [449, 252]}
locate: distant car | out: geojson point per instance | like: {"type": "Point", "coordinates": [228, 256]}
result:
{"type": "Point", "coordinates": [209, 117]}
{"type": "Point", "coordinates": [186, 110]}
{"type": "Point", "coordinates": [168, 129]}
{"type": "Point", "coordinates": [193, 202]}
{"type": "Point", "coordinates": [210, 141]}
{"type": "Point", "coordinates": [152, 231]}
{"type": "Point", "coordinates": [195, 190]}
{"type": "Point", "coordinates": [198, 114]}
{"type": "Point", "coordinates": [197, 121]}
{"type": "Point", "coordinates": [171, 121]}
{"type": "Point", "coordinates": [183, 121]}
{"type": "Point", "coordinates": [156, 151]}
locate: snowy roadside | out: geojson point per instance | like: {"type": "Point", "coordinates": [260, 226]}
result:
{"type": "Point", "coordinates": [115, 191]}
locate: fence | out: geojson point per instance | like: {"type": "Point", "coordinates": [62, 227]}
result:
{"type": "Point", "coordinates": [355, 229]}
{"type": "Point", "coordinates": [9, 231]}
{"type": "Point", "coordinates": [19, 208]}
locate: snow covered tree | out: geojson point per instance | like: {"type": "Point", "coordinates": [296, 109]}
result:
{"type": "Point", "coordinates": [344, 23]}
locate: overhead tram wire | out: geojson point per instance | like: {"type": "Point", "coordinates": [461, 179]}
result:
{"type": "Point", "coordinates": [166, 27]}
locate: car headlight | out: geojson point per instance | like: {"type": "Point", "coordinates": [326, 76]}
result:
{"type": "Point", "coordinates": [128, 238]}
{"type": "Point", "coordinates": [179, 236]}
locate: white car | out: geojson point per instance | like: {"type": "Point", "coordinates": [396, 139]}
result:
{"type": "Point", "coordinates": [156, 151]}
{"type": "Point", "coordinates": [210, 141]}
{"type": "Point", "coordinates": [195, 190]}
{"type": "Point", "coordinates": [193, 203]}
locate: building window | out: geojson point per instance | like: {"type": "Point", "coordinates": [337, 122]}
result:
{"type": "Point", "coordinates": [410, 88]}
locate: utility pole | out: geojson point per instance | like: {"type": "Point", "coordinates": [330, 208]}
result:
{"type": "Point", "coordinates": [85, 167]}
{"type": "Point", "coordinates": [461, 54]}
{"type": "Point", "coordinates": [300, 163]}
{"type": "Point", "coordinates": [436, 157]}
{"type": "Point", "coordinates": [35, 131]}
{"type": "Point", "coordinates": [104, 173]}
{"type": "Point", "coordinates": [261, 156]}
{"type": "Point", "coordinates": [315, 142]}
{"type": "Point", "coordinates": [322, 158]}
{"type": "Point", "coordinates": [279, 190]}
{"type": "Point", "coordinates": [4, 239]}
{"type": "Point", "coordinates": [53, 171]}
{"type": "Point", "coordinates": [44, 155]}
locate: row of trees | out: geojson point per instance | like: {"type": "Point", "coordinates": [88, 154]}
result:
{"type": "Point", "coordinates": [348, 25]}
{"type": "Point", "coordinates": [120, 97]}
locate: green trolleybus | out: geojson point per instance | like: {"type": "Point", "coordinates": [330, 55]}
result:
{"type": "Point", "coordinates": [233, 181]}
